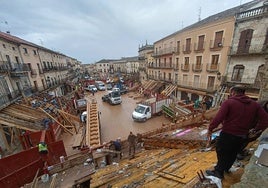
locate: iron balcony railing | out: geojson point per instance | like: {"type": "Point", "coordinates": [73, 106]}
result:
{"type": "Point", "coordinates": [212, 67]}
{"type": "Point", "coordinates": [197, 67]}
{"type": "Point", "coordinates": [216, 45]}
{"type": "Point", "coordinates": [164, 51]}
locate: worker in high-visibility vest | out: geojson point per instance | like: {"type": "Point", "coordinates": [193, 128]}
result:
{"type": "Point", "coordinates": [42, 147]}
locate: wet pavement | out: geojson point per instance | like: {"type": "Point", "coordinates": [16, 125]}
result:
{"type": "Point", "coordinates": [116, 120]}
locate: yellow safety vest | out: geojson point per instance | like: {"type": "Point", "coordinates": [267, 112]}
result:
{"type": "Point", "coordinates": [42, 147]}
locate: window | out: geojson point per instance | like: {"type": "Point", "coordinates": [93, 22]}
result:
{"type": "Point", "coordinates": [185, 78]}
{"type": "Point", "coordinates": [196, 81]}
{"type": "Point", "coordinates": [198, 62]}
{"type": "Point", "coordinates": [244, 41]}
{"type": "Point", "coordinates": [177, 63]}
{"type": "Point", "coordinates": [218, 39]}
{"type": "Point", "coordinates": [238, 73]}
{"type": "Point", "coordinates": [17, 59]}
{"type": "Point", "coordinates": [34, 51]}
{"type": "Point", "coordinates": [201, 40]}
{"type": "Point", "coordinates": [13, 48]}
{"type": "Point", "coordinates": [215, 60]}
{"type": "Point", "coordinates": [25, 50]}
{"type": "Point", "coordinates": [4, 46]}
{"type": "Point", "coordinates": [178, 46]}
{"type": "Point", "coordinates": [186, 60]}
{"type": "Point", "coordinates": [188, 45]}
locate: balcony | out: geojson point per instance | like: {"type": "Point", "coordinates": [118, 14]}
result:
{"type": "Point", "coordinates": [197, 86]}
{"type": "Point", "coordinates": [253, 13]}
{"type": "Point", "coordinates": [165, 51]}
{"type": "Point", "coordinates": [251, 82]}
{"type": "Point", "coordinates": [176, 67]}
{"type": "Point", "coordinates": [162, 78]}
{"type": "Point", "coordinates": [161, 66]}
{"type": "Point", "coordinates": [187, 49]}
{"type": "Point", "coordinates": [19, 70]}
{"type": "Point", "coordinates": [33, 73]}
{"type": "Point", "coordinates": [216, 45]}
{"type": "Point", "coordinates": [177, 51]}
{"type": "Point", "coordinates": [5, 66]}
{"type": "Point", "coordinates": [185, 67]}
{"type": "Point", "coordinates": [250, 50]}
{"type": "Point", "coordinates": [197, 67]}
{"type": "Point", "coordinates": [212, 67]}
{"type": "Point", "coordinates": [199, 48]}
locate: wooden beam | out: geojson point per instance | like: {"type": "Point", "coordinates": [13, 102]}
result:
{"type": "Point", "coordinates": [57, 121]}
{"type": "Point", "coordinates": [16, 125]}
{"type": "Point", "coordinates": [70, 115]}
{"type": "Point", "coordinates": [66, 118]}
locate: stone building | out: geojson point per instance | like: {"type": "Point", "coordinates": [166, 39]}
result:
{"type": "Point", "coordinates": [26, 68]}
{"type": "Point", "coordinates": [249, 50]}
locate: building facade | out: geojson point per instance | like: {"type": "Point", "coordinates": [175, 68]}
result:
{"type": "Point", "coordinates": [249, 49]}
{"type": "Point", "coordinates": [26, 68]}
{"type": "Point", "coordinates": [195, 58]}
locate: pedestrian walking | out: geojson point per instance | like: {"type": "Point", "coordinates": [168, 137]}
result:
{"type": "Point", "coordinates": [236, 115]}
{"type": "Point", "coordinates": [132, 144]}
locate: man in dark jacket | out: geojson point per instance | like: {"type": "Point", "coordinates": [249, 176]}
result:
{"type": "Point", "coordinates": [132, 143]}
{"type": "Point", "coordinates": [237, 115]}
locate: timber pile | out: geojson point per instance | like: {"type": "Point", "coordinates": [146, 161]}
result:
{"type": "Point", "coordinates": [147, 84]}
{"type": "Point", "coordinates": [22, 117]}
{"type": "Point", "coordinates": [155, 168]}
{"type": "Point", "coordinates": [167, 92]}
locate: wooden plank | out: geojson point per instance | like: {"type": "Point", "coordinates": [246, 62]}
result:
{"type": "Point", "coordinates": [57, 122]}
{"type": "Point", "coordinates": [66, 119]}
{"type": "Point", "coordinates": [23, 127]}
{"type": "Point", "coordinates": [70, 115]}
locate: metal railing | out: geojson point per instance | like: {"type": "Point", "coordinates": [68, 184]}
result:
{"type": "Point", "coordinates": [212, 67]}
{"type": "Point", "coordinates": [164, 51]}
{"type": "Point", "coordinates": [185, 67]}
{"type": "Point", "coordinates": [197, 67]}
{"type": "Point", "coordinates": [216, 44]}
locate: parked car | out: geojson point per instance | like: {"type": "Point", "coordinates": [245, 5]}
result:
{"type": "Point", "coordinates": [91, 88]}
{"type": "Point", "coordinates": [109, 86]}
{"type": "Point", "coordinates": [113, 97]}
{"type": "Point", "coordinates": [100, 85]}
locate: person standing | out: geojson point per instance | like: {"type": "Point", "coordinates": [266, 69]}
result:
{"type": "Point", "coordinates": [132, 143]}
{"type": "Point", "coordinates": [253, 134]}
{"type": "Point", "coordinates": [42, 148]}
{"type": "Point", "coordinates": [118, 147]}
{"type": "Point", "coordinates": [236, 115]}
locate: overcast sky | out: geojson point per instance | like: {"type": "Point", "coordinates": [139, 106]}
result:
{"type": "Point", "coordinates": [91, 30]}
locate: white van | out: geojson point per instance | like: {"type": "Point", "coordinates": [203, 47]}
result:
{"type": "Point", "coordinates": [100, 85]}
